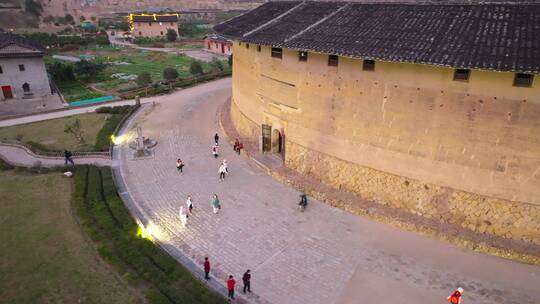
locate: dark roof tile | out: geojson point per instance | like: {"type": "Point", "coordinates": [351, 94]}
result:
{"type": "Point", "coordinates": [495, 36]}
{"type": "Point", "coordinates": [9, 38]}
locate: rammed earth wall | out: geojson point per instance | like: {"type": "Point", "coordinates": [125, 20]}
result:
{"type": "Point", "coordinates": [404, 135]}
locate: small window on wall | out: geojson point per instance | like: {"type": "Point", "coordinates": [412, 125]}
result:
{"type": "Point", "coordinates": [523, 80]}
{"type": "Point", "coordinates": [247, 45]}
{"type": "Point", "coordinates": [333, 60]}
{"type": "Point", "coordinates": [258, 48]}
{"type": "Point", "coordinates": [161, 33]}
{"type": "Point", "coordinates": [140, 34]}
{"type": "Point", "coordinates": [368, 65]}
{"type": "Point", "coordinates": [228, 48]}
{"type": "Point", "coordinates": [462, 74]}
{"type": "Point", "coordinates": [26, 87]}
{"type": "Point", "coordinates": [21, 67]}
{"type": "Point", "coordinates": [302, 56]}
{"type": "Point", "coordinates": [171, 24]}
{"type": "Point", "coordinates": [277, 53]}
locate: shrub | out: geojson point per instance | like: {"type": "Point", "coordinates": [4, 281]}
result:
{"type": "Point", "coordinates": [144, 79]}
{"type": "Point", "coordinates": [87, 70]}
{"type": "Point", "coordinates": [171, 35]}
{"type": "Point", "coordinates": [170, 74]}
{"type": "Point", "coordinates": [114, 110]}
{"type": "Point", "coordinates": [217, 65]}
{"type": "Point", "coordinates": [195, 68]}
{"type": "Point", "coordinates": [61, 71]}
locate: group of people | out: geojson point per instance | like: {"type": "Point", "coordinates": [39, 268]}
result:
{"type": "Point", "coordinates": [231, 282]}
{"type": "Point", "coordinates": [187, 210]}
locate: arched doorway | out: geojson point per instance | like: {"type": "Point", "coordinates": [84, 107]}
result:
{"type": "Point", "coordinates": [277, 141]}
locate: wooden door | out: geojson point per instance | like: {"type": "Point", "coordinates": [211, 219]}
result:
{"type": "Point", "coordinates": [266, 137]}
{"type": "Point", "coordinates": [6, 90]}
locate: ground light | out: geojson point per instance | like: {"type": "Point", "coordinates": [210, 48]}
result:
{"type": "Point", "coordinates": [150, 232]}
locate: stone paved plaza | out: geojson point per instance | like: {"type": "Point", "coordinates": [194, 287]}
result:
{"type": "Point", "coordinates": [321, 256]}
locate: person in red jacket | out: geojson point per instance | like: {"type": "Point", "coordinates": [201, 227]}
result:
{"type": "Point", "coordinates": [206, 268]}
{"type": "Point", "coordinates": [455, 297]}
{"type": "Point", "coordinates": [230, 286]}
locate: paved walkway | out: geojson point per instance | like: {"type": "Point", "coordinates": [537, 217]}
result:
{"type": "Point", "coordinates": [323, 255]}
{"type": "Point", "coordinates": [20, 156]}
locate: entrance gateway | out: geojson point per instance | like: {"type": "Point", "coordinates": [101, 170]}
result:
{"type": "Point", "coordinates": [272, 140]}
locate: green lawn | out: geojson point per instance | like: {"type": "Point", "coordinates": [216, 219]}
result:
{"type": "Point", "coordinates": [74, 90]}
{"type": "Point", "coordinates": [45, 257]}
{"type": "Point", "coordinates": [50, 133]}
{"type": "Point", "coordinates": [152, 62]}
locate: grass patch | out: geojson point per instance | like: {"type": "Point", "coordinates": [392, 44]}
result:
{"type": "Point", "coordinates": [110, 225]}
{"type": "Point", "coordinates": [49, 135]}
{"type": "Point", "coordinates": [45, 257]}
{"type": "Point", "coordinates": [74, 91]}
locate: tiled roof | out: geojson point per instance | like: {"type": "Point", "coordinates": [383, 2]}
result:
{"type": "Point", "coordinates": [494, 36]}
{"type": "Point", "coordinates": [28, 47]}
{"type": "Point", "coordinates": [157, 19]}
{"type": "Point", "coordinates": [215, 37]}
{"type": "Point", "coordinates": [246, 22]}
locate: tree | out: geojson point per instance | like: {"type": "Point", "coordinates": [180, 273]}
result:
{"type": "Point", "coordinates": [74, 127]}
{"type": "Point", "coordinates": [33, 7]}
{"type": "Point", "coordinates": [171, 35]}
{"type": "Point", "coordinates": [68, 18]}
{"type": "Point", "coordinates": [87, 70]}
{"type": "Point", "coordinates": [144, 79]}
{"type": "Point", "coordinates": [195, 68]}
{"type": "Point", "coordinates": [170, 74]}
{"type": "Point", "coordinates": [61, 72]}
{"type": "Point", "coordinates": [82, 18]}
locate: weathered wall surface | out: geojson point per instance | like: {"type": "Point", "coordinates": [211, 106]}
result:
{"type": "Point", "coordinates": [474, 145]}
{"type": "Point", "coordinates": [154, 29]}
{"type": "Point", "coordinates": [34, 74]}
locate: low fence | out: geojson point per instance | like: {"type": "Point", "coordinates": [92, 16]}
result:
{"type": "Point", "coordinates": [91, 101]}
{"type": "Point", "coordinates": [53, 154]}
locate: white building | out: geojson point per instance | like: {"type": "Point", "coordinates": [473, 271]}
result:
{"type": "Point", "coordinates": [22, 71]}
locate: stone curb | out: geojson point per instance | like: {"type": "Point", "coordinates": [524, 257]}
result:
{"type": "Point", "coordinates": [482, 247]}
{"type": "Point", "coordinates": [216, 283]}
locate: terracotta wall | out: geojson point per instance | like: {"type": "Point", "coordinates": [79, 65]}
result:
{"type": "Point", "coordinates": [156, 29]}
{"type": "Point", "coordinates": [216, 46]}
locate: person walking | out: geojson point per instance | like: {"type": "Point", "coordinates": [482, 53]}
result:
{"type": "Point", "coordinates": [455, 297]}
{"type": "Point", "coordinates": [215, 204]}
{"type": "Point", "coordinates": [224, 163]}
{"type": "Point", "coordinates": [183, 216]}
{"type": "Point", "coordinates": [189, 204]}
{"type": "Point", "coordinates": [215, 150]}
{"type": "Point", "coordinates": [67, 157]}
{"type": "Point", "coordinates": [230, 287]}
{"type": "Point", "coordinates": [216, 139]}
{"type": "Point", "coordinates": [222, 172]}
{"type": "Point", "coordinates": [206, 268]}
{"type": "Point", "coordinates": [246, 278]}
{"type": "Point", "coordinates": [179, 165]}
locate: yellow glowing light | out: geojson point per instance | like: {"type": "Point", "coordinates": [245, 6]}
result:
{"type": "Point", "coordinates": [117, 140]}
{"type": "Point", "coordinates": [149, 232]}
{"type": "Point", "coordinates": [144, 233]}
